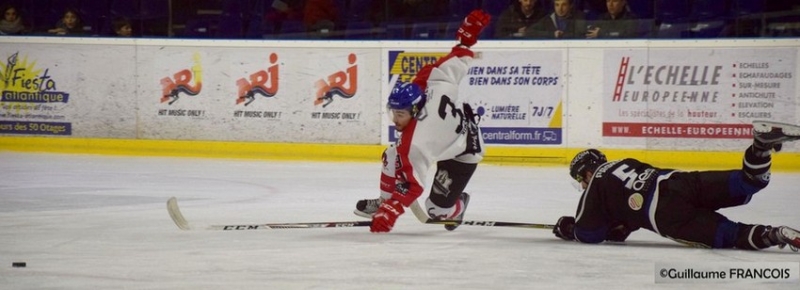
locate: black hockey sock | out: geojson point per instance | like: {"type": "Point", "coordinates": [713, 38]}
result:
{"type": "Point", "coordinates": [756, 166]}
{"type": "Point", "coordinates": [760, 148]}
{"type": "Point", "coordinates": [754, 237]}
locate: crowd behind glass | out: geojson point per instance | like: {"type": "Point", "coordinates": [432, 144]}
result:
{"type": "Point", "coordinates": [401, 19]}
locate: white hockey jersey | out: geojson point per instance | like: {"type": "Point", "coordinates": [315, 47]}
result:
{"type": "Point", "coordinates": [446, 128]}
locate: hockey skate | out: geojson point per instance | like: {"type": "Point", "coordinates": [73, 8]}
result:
{"type": "Point", "coordinates": [771, 135]}
{"type": "Point", "coordinates": [785, 236]}
{"type": "Point", "coordinates": [460, 217]}
{"type": "Point", "coordinates": [367, 207]}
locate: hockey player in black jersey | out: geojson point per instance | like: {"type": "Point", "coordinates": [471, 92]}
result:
{"type": "Point", "coordinates": [622, 196]}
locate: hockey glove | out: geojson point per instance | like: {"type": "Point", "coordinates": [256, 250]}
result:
{"type": "Point", "coordinates": [565, 227]}
{"type": "Point", "coordinates": [386, 216]}
{"type": "Point", "coordinates": [472, 26]}
{"type": "Point", "coordinates": [618, 233]}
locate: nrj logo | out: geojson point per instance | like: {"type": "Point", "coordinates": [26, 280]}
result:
{"type": "Point", "coordinates": [21, 81]}
{"type": "Point", "coordinates": [180, 82]}
{"type": "Point", "coordinates": [336, 84]}
{"type": "Point", "coordinates": [256, 84]}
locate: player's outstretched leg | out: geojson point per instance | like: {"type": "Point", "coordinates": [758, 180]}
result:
{"type": "Point", "coordinates": [784, 235]}
{"type": "Point", "coordinates": [770, 135]}
{"type": "Point", "coordinates": [460, 217]}
{"type": "Point", "coordinates": [367, 207]}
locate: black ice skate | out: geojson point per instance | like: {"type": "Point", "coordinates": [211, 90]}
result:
{"type": "Point", "coordinates": [785, 236]}
{"type": "Point", "coordinates": [771, 135]}
{"type": "Point", "coordinates": [460, 217]}
{"type": "Point", "coordinates": [367, 207]}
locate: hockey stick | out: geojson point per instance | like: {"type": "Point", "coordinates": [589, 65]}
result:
{"type": "Point", "coordinates": [180, 221]}
{"type": "Point", "coordinates": [423, 217]}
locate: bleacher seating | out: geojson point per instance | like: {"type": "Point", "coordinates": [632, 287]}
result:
{"type": "Point", "coordinates": [644, 9]}
{"type": "Point", "coordinates": [708, 9]}
{"type": "Point", "coordinates": [255, 19]}
{"type": "Point", "coordinates": [496, 7]}
{"type": "Point", "coordinates": [424, 31]}
{"type": "Point", "coordinates": [458, 9]}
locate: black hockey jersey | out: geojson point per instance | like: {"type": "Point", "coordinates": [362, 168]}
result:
{"type": "Point", "coordinates": [621, 192]}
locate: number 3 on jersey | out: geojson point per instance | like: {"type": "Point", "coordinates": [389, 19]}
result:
{"type": "Point", "coordinates": [454, 112]}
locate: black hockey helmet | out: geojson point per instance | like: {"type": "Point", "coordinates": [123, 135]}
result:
{"type": "Point", "coordinates": [586, 160]}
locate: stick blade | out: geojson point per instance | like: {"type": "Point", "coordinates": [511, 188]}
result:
{"type": "Point", "coordinates": [175, 214]}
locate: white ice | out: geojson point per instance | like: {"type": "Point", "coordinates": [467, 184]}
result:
{"type": "Point", "coordinates": [100, 222]}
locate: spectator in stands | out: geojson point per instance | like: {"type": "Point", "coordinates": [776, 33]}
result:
{"type": "Point", "coordinates": [618, 22]}
{"type": "Point", "coordinates": [122, 27]}
{"type": "Point", "coordinates": [563, 23]}
{"type": "Point", "coordinates": [320, 16]}
{"type": "Point", "coordinates": [519, 15]}
{"type": "Point", "coordinates": [70, 24]}
{"type": "Point", "coordinates": [11, 24]}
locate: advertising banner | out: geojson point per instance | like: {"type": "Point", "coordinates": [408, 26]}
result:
{"type": "Point", "coordinates": [44, 93]}
{"type": "Point", "coordinates": [256, 94]}
{"type": "Point", "coordinates": [685, 96]}
{"type": "Point", "coordinates": [517, 94]}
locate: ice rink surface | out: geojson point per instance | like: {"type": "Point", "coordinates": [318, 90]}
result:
{"type": "Point", "coordinates": [100, 222]}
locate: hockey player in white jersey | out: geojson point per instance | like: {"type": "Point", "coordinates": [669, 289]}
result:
{"type": "Point", "coordinates": [436, 127]}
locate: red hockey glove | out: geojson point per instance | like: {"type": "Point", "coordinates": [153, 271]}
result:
{"type": "Point", "coordinates": [386, 216]}
{"type": "Point", "coordinates": [472, 26]}
{"type": "Point", "coordinates": [565, 228]}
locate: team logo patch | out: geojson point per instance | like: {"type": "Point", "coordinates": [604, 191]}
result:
{"type": "Point", "coordinates": [635, 201]}
{"type": "Point", "coordinates": [765, 177]}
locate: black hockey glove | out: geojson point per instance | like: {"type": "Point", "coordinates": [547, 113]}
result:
{"type": "Point", "coordinates": [618, 233]}
{"type": "Point", "coordinates": [565, 228]}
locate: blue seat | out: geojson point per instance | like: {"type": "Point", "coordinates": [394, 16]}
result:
{"type": "Point", "coordinates": [230, 26]}
{"type": "Point", "coordinates": [341, 6]}
{"type": "Point", "coordinates": [582, 6]}
{"type": "Point", "coordinates": [41, 20]}
{"type": "Point", "coordinates": [673, 30]}
{"type": "Point", "coordinates": [450, 30]}
{"type": "Point", "coordinates": [671, 10]}
{"type": "Point", "coordinates": [358, 30]}
{"type": "Point", "coordinates": [357, 10]}
{"type": "Point", "coordinates": [235, 8]}
{"type": "Point", "coordinates": [747, 7]}
{"type": "Point", "coordinates": [125, 8]}
{"type": "Point", "coordinates": [154, 9]}
{"type": "Point", "coordinates": [707, 29]}
{"type": "Point", "coordinates": [488, 32]}
{"type": "Point", "coordinates": [708, 9]}
{"type": "Point", "coordinates": [783, 26]}
{"type": "Point", "coordinates": [257, 28]}
{"type": "Point", "coordinates": [258, 9]}
{"type": "Point", "coordinates": [642, 8]}
{"type": "Point", "coordinates": [197, 28]}
{"type": "Point", "coordinates": [395, 31]}
{"type": "Point", "coordinates": [96, 14]}
{"type": "Point", "coordinates": [59, 6]}
{"type": "Point", "coordinates": [424, 30]}
{"type": "Point", "coordinates": [646, 27]}
{"type": "Point", "coordinates": [95, 8]}
{"type": "Point", "coordinates": [458, 9]}
{"type": "Point", "coordinates": [292, 29]}
{"type": "Point", "coordinates": [496, 7]}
